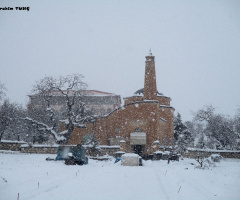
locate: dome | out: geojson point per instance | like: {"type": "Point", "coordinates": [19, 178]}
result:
{"type": "Point", "coordinates": [140, 92]}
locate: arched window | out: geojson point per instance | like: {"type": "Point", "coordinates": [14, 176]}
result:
{"type": "Point", "coordinates": [138, 129]}
{"type": "Point", "coordinates": [102, 111]}
{"type": "Point", "coordinates": [93, 111]}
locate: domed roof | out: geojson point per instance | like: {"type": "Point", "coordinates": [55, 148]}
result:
{"type": "Point", "coordinates": [140, 92]}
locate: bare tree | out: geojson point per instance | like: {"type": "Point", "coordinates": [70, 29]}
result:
{"type": "Point", "coordinates": [218, 130]}
{"type": "Point", "coordinates": [92, 144]}
{"type": "Point", "coordinates": [2, 91]}
{"type": "Point", "coordinates": [10, 114]}
{"type": "Point", "coordinates": [12, 126]}
{"type": "Point", "coordinates": [237, 122]}
{"type": "Point", "coordinates": [206, 114]}
{"type": "Point", "coordinates": [71, 90]}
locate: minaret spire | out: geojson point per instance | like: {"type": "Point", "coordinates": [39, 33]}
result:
{"type": "Point", "coordinates": [150, 52]}
{"type": "Point", "coordinates": [150, 85]}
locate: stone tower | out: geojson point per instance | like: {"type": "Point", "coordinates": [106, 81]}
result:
{"type": "Point", "coordinates": [150, 85]}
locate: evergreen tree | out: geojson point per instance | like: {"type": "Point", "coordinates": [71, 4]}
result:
{"type": "Point", "coordinates": [181, 134]}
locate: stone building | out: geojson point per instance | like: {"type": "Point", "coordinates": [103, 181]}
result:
{"type": "Point", "coordinates": [141, 125]}
{"type": "Point", "coordinates": [98, 102]}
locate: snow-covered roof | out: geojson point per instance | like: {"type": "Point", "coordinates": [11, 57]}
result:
{"type": "Point", "coordinates": [145, 101]}
{"type": "Point", "coordinates": [109, 147]}
{"type": "Point", "coordinates": [84, 92]}
{"type": "Point", "coordinates": [118, 152]}
{"type": "Point", "coordinates": [154, 101]}
{"type": "Point", "coordinates": [12, 141]}
{"type": "Point", "coordinates": [166, 152]}
{"type": "Point", "coordinates": [130, 155]}
{"type": "Point", "coordinates": [164, 106]}
{"type": "Point", "coordinates": [163, 119]}
{"type": "Point", "coordinates": [158, 151]}
{"type": "Point", "coordinates": [40, 145]}
{"type": "Point", "coordinates": [98, 93]}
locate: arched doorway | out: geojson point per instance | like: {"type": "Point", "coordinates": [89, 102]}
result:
{"type": "Point", "coordinates": [138, 140]}
{"type": "Point", "coordinates": [138, 149]}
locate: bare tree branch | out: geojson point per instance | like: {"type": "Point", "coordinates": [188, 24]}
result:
{"type": "Point", "coordinates": [71, 88]}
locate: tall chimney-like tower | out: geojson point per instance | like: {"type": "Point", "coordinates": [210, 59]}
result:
{"type": "Point", "coordinates": [150, 86]}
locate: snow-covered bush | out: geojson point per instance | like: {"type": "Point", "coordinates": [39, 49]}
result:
{"type": "Point", "coordinates": [218, 131]}
{"type": "Point", "coordinates": [204, 162]}
{"type": "Point", "coordinates": [216, 157]}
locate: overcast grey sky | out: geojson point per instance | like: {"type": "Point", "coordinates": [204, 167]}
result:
{"type": "Point", "coordinates": [196, 45]}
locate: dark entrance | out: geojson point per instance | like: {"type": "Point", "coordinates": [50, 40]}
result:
{"type": "Point", "coordinates": [138, 149]}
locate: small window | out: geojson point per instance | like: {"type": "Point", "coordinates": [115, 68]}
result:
{"type": "Point", "coordinates": [117, 130]}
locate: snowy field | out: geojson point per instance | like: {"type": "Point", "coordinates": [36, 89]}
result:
{"type": "Point", "coordinates": [104, 180]}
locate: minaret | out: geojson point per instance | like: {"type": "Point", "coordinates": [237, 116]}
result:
{"type": "Point", "coordinates": [150, 86]}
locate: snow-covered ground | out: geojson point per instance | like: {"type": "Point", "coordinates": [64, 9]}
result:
{"type": "Point", "coordinates": [33, 177]}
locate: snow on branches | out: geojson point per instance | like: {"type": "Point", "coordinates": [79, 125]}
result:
{"type": "Point", "coordinates": [44, 127]}
{"type": "Point", "coordinates": [61, 99]}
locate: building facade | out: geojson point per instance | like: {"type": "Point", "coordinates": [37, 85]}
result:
{"type": "Point", "coordinates": [144, 122]}
{"type": "Point", "coordinates": [98, 102]}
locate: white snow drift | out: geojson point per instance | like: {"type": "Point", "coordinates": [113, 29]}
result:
{"type": "Point", "coordinates": [32, 177]}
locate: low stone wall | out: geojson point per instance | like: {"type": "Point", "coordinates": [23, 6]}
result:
{"type": "Point", "coordinates": [193, 153]}
{"type": "Point", "coordinates": [39, 149]}
{"type": "Point", "coordinates": [109, 150]}
{"type": "Point", "coordinates": [105, 150]}
{"type": "Point", "coordinates": [23, 147]}
{"type": "Point", "coordinates": [44, 149]}
{"type": "Point", "coordinates": [11, 145]}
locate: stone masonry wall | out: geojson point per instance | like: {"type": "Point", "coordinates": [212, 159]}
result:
{"type": "Point", "coordinates": [39, 150]}
{"type": "Point", "coordinates": [153, 119]}
{"type": "Point", "coordinates": [12, 146]}
{"type": "Point", "coordinates": [111, 150]}
{"type": "Point", "coordinates": [223, 153]}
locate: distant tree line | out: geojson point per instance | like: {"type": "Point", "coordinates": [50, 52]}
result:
{"type": "Point", "coordinates": [207, 130]}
